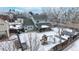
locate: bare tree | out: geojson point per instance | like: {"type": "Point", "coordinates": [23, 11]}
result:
{"type": "Point", "coordinates": [62, 15]}
{"type": "Point", "coordinates": [34, 43]}
{"type": "Point", "coordinates": [30, 41]}
{"type": "Point", "coordinates": [47, 11]}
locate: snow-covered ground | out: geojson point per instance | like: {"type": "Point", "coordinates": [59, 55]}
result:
{"type": "Point", "coordinates": [32, 39]}
{"type": "Point", "coordinates": [7, 46]}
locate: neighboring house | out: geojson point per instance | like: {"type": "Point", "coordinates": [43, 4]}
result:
{"type": "Point", "coordinates": [36, 22]}
{"type": "Point", "coordinates": [28, 24]}
{"type": "Point", "coordinates": [39, 22]}
{"type": "Point", "coordinates": [4, 28]}
{"type": "Point", "coordinates": [42, 22]}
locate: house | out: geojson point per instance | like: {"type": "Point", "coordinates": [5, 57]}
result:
{"type": "Point", "coordinates": [36, 22]}
{"type": "Point", "coordinates": [4, 28]}
{"type": "Point", "coordinates": [42, 22]}
{"type": "Point", "coordinates": [28, 24]}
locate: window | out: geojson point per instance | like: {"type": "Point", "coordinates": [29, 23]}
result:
{"type": "Point", "coordinates": [30, 27]}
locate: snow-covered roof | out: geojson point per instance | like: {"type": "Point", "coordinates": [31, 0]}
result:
{"type": "Point", "coordinates": [69, 30]}
{"type": "Point", "coordinates": [44, 26]}
{"type": "Point", "coordinates": [16, 23]}
{"type": "Point", "coordinates": [65, 36]}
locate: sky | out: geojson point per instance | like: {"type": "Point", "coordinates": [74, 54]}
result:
{"type": "Point", "coordinates": [22, 9]}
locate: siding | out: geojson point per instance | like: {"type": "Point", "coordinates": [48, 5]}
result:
{"type": "Point", "coordinates": [4, 27]}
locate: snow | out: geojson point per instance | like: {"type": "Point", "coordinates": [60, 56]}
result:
{"type": "Point", "coordinates": [69, 30]}
{"type": "Point", "coordinates": [55, 29]}
{"type": "Point", "coordinates": [13, 37]}
{"type": "Point", "coordinates": [65, 36]}
{"type": "Point", "coordinates": [51, 35]}
{"type": "Point", "coordinates": [31, 36]}
{"type": "Point", "coordinates": [17, 25]}
{"type": "Point", "coordinates": [44, 26]}
{"type": "Point", "coordinates": [48, 46]}
{"type": "Point", "coordinates": [22, 38]}
{"type": "Point", "coordinates": [7, 46]}
{"type": "Point", "coordinates": [25, 37]}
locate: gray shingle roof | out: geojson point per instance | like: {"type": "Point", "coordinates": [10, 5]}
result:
{"type": "Point", "coordinates": [28, 21]}
{"type": "Point", "coordinates": [40, 17]}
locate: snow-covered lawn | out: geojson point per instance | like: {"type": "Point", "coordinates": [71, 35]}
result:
{"type": "Point", "coordinates": [7, 46]}
{"type": "Point", "coordinates": [26, 37]}
{"type": "Point", "coordinates": [32, 39]}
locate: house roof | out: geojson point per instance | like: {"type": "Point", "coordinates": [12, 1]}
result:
{"type": "Point", "coordinates": [4, 17]}
{"type": "Point", "coordinates": [40, 17]}
{"type": "Point", "coordinates": [45, 24]}
{"type": "Point", "coordinates": [28, 21]}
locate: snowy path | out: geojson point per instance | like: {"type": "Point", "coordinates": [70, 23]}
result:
{"type": "Point", "coordinates": [73, 47]}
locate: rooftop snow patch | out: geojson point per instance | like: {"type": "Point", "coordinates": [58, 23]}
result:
{"type": "Point", "coordinates": [69, 30]}
{"type": "Point", "coordinates": [44, 26]}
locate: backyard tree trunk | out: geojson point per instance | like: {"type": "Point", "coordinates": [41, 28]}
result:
{"type": "Point", "coordinates": [30, 40]}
